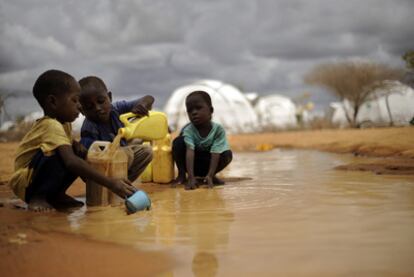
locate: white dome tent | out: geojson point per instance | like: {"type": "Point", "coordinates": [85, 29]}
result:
{"type": "Point", "coordinates": [394, 105]}
{"type": "Point", "coordinates": [336, 114]}
{"type": "Point", "coordinates": [231, 108]}
{"type": "Point", "coordinates": [276, 112]}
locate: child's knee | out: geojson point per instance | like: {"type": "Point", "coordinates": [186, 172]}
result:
{"type": "Point", "coordinates": [178, 143]}
{"type": "Point", "coordinates": [142, 154]}
{"type": "Point", "coordinates": [227, 156]}
{"type": "Point", "coordinates": [147, 152]}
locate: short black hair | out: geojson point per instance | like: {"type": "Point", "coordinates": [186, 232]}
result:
{"type": "Point", "coordinates": [92, 82]}
{"type": "Point", "coordinates": [54, 82]}
{"type": "Point", "coordinates": [206, 97]}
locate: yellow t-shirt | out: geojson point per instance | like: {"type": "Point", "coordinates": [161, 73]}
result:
{"type": "Point", "coordinates": [46, 134]}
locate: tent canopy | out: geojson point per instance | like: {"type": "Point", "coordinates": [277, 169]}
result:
{"type": "Point", "coordinates": [394, 104]}
{"type": "Point", "coordinates": [276, 112]}
{"type": "Point", "coordinates": [231, 107]}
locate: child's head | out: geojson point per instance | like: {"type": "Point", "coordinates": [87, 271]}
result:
{"type": "Point", "coordinates": [199, 107]}
{"type": "Point", "coordinates": [57, 93]}
{"type": "Point", "coordinates": [95, 99]}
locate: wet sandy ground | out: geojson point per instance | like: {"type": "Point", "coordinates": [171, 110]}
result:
{"type": "Point", "coordinates": [282, 212]}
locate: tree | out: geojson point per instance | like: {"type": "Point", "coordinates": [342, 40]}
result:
{"type": "Point", "coordinates": [3, 112]}
{"type": "Point", "coordinates": [408, 57]}
{"type": "Point", "coordinates": [353, 81]}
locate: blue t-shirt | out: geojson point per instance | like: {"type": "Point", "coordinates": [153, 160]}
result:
{"type": "Point", "coordinates": [214, 142]}
{"type": "Point", "coordinates": [92, 131]}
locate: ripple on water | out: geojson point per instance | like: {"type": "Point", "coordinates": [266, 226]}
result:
{"type": "Point", "coordinates": [295, 206]}
{"type": "Point", "coordinates": [253, 196]}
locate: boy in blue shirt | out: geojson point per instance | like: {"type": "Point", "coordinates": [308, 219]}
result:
{"type": "Point", "coordinates": [48, 160]}
{"type": "Point", "coordinates": [102, 121]}
{"type": "Point", "coordinates": [202, 148]}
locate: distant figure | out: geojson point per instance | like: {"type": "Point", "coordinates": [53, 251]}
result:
{"type": "Point", "coordinates": [48, 160]}
{"type": "Point", "coordinates": [201, 149]}
{"type": "Point", "coordinates": [102, 121]}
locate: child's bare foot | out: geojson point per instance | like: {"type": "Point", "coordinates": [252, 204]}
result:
{"type": "Point", "coordinates": [191, 184]}
{"type": "Point", "coordinates": [180, 180]}
{"type": "Point", "coordinates": [218, 181]}
{"type": "Point", "coordinates": [39, 205]}
{"type": "Point", "coordinates": [190, 187]}
{"type": "Point", "coordinates": [64, 201]}
{"type": "Point", "coordinates": [209, 181]}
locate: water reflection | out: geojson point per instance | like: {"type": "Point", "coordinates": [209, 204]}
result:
{"type": "Point", "coordinates": [198, 218]}
{"type": "Point", "coordinates": [204, 264]}
{"type": "Point", "coordinates": [294, 216]}
{"type": "Point", "coordinates": [202, 222]}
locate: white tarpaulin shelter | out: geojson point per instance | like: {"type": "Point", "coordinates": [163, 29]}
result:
{"type": "Point", "coordinates": [231, 108]}
{"type": "Point", "coordinates": [394, 104]}
{"type": "Point", "coordinates": [276, 112]}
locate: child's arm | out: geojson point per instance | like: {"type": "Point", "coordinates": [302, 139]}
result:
{"type": "Point", "coordinates": [212, 170]}
{"type": "Point", "coordinates": [79, 150]}
{"type": "Point", "coordinates": [80, 167]}
{"type": "Point", "coordinates": [191, 183]}
{"type": "Point", "coordinates": [143, 105]}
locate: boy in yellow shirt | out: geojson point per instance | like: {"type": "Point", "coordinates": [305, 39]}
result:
{"type": "Point", "coordinates": [48, 160]}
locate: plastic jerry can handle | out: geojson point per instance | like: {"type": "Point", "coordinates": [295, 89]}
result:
{"type": "Point", "coordinates": [126, 117]}
{"type": "Point", "coordinates": [99, 146]}
{"type": "Point", "coordinates": [151, 127]}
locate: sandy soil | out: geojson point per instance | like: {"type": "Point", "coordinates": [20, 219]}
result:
{"type": "Point", "coordinates": [396, 145]}
{"type": "Point", "coordinates": [27, 252]}
{"type": "Point", "coordinates": [382, 142]}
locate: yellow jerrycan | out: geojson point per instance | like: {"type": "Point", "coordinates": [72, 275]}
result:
{"type": "Point", "coordinates": [162, 162]}
{"type": "Point", "coordinates": [151, 127]}
{"type": "Point", "coordinates": [146, 175]}
{"type": "Point", "coordinates": [111, 161]}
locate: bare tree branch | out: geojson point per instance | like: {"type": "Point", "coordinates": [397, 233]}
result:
{"type": "Point", "coordinates": [353, 81]}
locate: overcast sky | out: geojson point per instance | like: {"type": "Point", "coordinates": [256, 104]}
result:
{"type": "Point", "coordinates": [154, 46]}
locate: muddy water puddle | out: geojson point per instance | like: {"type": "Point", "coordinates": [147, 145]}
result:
{"type": "Point", "coordinates": [287, 213]}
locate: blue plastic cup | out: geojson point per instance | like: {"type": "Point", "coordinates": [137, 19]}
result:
{"type": "Point", "coordinates": [138, 201]}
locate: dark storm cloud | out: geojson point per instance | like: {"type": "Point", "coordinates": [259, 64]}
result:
{"type": "Point", "coordinates": [322, 29]}
{"type": "Point", "coordinates": [147, 46]}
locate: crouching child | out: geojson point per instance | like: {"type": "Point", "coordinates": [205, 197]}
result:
{"type": "Point", "coordinates": [48, 160]}
{"type": "Point", "coordinates": [102, 121]}
{"type": "Point", "coordinates": [202, 149]}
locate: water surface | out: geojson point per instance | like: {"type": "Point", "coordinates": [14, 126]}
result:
{"type": "Point", "coordinates": [289, 213]}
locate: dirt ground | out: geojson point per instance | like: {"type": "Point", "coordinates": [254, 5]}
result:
{"type": "Point", "coordinates": [394, 147]}
{"type": "Point", "coordinates": [28, 252]}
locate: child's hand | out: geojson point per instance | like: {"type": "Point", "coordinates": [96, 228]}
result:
{"type": "Point", "coordinates": [143, 105]}
{"type": "Point", "coordinates": [191, 184]}
{"type": "Point", "coordinates": [140, 110]}
{"type": "Point", "coordinates": [123, 188]}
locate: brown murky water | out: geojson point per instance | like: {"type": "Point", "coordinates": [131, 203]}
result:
{"type": "Point", "coordinates": [295, 216]}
